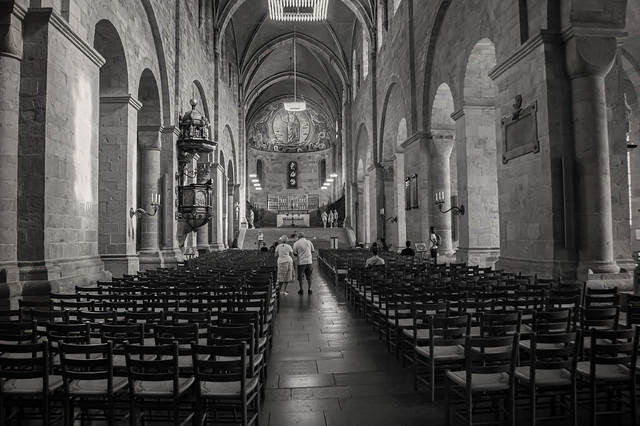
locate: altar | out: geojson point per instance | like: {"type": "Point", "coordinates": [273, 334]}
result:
{"type": "Point", "coordinates": [292, 219]}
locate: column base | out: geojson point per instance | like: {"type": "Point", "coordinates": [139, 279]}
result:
{"type": "Point", "coordinates": [217, 246]}
{"type": "Point", "coordinates": [589, 268]}
{"type": "Point", "coordinates": [53, 276]}
{"type": "Point", "coordinates": [560, 270]}
{"type": "Point", "coordinates": [150, 260]}
{"type": "Point", "coordinates": [482, 256]}
{"type": "Point", "coordinates": [120, 264]}
{"type": "Point", "coordinates": [171, 257]}
{"type": "Point", "coordinates": [9, 285]}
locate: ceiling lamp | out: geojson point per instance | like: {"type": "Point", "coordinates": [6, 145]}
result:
{"type": "Point", "coordinates": [295, 105]}
{"type": "Point", "coordinates": [298, 10]}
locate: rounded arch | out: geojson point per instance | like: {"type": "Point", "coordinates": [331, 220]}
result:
{"type": "Point", "coordinates": [221, 160]}
{"type": "Point", "coordinates": [479, 89]}
{"type": "Point", "coordinates": [230, 171]}
{"type": "Point", "coordinates": [441, 109]}
{"type": "Point", "coordinates": [114, 79]}
{"type": "Point", "coordinates": [402, 135]}
{"type": "Point", "coordinates": [198, 93]}
{"type": "Point", "coordinates": [149, 97]}
{"type": "Point", "coordinates": [393, 111]}
{"type": "Point", "coordinates": [363, 151]}
{"type": "Point", "coordinates": [230, 142]}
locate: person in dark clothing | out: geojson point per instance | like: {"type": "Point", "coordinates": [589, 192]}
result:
{"type": "Point", "coordinates": [408, 251]}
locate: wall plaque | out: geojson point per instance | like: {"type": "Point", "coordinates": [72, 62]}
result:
{"type": "Point", "coordinates": [520, 131]}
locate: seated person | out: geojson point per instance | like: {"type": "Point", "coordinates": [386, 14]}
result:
{"type": "Point", "coordinates": [264, 247]}
{"type": "Point", "coordinates": [383, 245]}
{"type": "Point", "coordinates": [374, 260]}
{"type": "Point", "coordinates": [408, 251]}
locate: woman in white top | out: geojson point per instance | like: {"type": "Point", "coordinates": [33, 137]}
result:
{"type": "Point", "coordinates": [285, 263]}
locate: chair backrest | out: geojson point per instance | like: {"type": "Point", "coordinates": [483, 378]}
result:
{"type": "Point", "coordinates": [158, 363]}
{"type": "Point", "coordinates": [18, 332]}
{"type": "Point", "coordinates": [25, 361]}
{"type": "Point", "coordinates": [78, 332]}
{"type": "Point", "coordinates": [555, 351]}
{"type": "Point", "coordinates": [490, 355]}
{"type": "Point", "coordinates": [449, 330]}
{"type": "Point", "coordinates": [602, 297]}
{"type": "Point", "coordinates": [119, 334]}
{"type": "Point", "coordinates": [633, 315]}
{"type": "Point", "coordinates": [183, 334]}
{"type": "Point", "coordinates": [555, 321]}
{"type": "Point", "coordinates": [603, 318]}
{"type": "Point", "coordinates": [220, 364]}
{"type": "Point", "coordinates": [500, 324]}
{"type": "Point", "coordinates": [614, 347]}
{"type": "Point", "coordinates": [87, 362]}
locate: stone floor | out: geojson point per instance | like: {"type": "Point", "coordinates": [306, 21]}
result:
{"type": "Point", "coordinates": [328, 367]}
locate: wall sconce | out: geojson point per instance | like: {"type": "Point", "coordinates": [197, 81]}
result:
{"type": "Point", "coordinates": [393, 219]}
{"type": "Point", "coordinates": [155, 203]}
{"type": "Point", "coordinates": [440, 202]}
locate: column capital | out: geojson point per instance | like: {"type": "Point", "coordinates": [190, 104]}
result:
{"type": "Point", "coordinates": [124, 99]}
{"type": "Point", "coordinates": [11, 16]}
{"type": "Point", "coordinates": [440, 145]}
{"type": "Point", "coordinates": [149, 137]}
{"type": "Point", "coordinates": [590, 52]}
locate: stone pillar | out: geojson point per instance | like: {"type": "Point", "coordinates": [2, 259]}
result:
{"type": "Point", "coordinates": [11, 16]}
{"type": "Point", "coordinates": [216, 233]}
{"type": "Point", "coordinates": [117, 183]}
{"type": "Point", "coordinates": [149, 144]}
{"type": "Point", "coordinates": [589, 59]}
{"type": "Point", "coordinates": [230, 213]}
{"type": "Point", "coordinates": [400, 201]}
{"type": "Point", "coordinates": [479, 242]}
{"type": "Point", "coordinates": [169, 245]}
{"type": "Point", "coordinates": [440, 145]}
{"type": "Point", "coordinates": [204, 175]}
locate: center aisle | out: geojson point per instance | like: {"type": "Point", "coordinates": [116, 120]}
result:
{"type": "Point", "coordinates": [328, 367]}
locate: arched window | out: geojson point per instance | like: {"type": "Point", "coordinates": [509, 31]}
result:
{"type": "Point", "coordinates": [365, 54]}
{"type": "Point", "coordinates": [354, 79]}
{"type": "Point", "coordinates": [381, 24]}
{"type": "Point", "coordinates": [322, 171]}
{"type": "Point", "coordinates": [260, 171]}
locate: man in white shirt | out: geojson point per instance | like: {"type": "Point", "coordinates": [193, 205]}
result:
{"type": "Point", "coordinates": [304, 249]}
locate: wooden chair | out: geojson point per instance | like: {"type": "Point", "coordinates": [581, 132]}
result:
{"type": "Point", "coordinates": [26, 381]}
{"type": "Point", "coordinates": [488, 377]}
{"type": "Point", "coordinates": [609, 374]}
{"type": "Point", "coordinates": [223, 385]}
{"type": "Point", "coordinates": [444, 349]}
{"type": "Point", "coordinates": [551, 372]}
{"type": "Point", "coordinates": [89, 383]}
{"type": "Point", "coordinates": [155, 384]}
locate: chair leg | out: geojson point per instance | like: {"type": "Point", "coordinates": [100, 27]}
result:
{"type": "Point", "coordinates": [446, 401]}
{"type": "Point", "coordinates": [532, 403]}
{"type": "Point", "coordinates": [432, 380]}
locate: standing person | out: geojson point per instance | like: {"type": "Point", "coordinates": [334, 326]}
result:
{"type": "Point", "coordinates": [331, 218]}
{"type": "Point", "coordinates": [383, 245]}
{"type": "Point", "coordinates": [260, 239]}
{"type": "Point", "coordinates": [408, 251]}
{"type": "Point", "coordinates": [250, 218]}
{"type": "Point", "coordinates": [304, 249]}
{"type": "Point", "coordinates": [284, 253]}
{"type": "Point", "coordinates": [325, 217]}
{"type": "Point", "coordinates": [434, 242]}
{"type": "Point", "coordinates": [335, 217]}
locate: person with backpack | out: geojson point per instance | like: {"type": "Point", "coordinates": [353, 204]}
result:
{"type": "Point", "coordinates": [434, 243]}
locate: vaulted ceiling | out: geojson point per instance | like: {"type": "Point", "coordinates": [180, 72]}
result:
{"type": "Point", "coordinates": [264, 49]}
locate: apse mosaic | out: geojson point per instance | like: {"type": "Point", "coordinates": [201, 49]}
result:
{"type": "Point", "coordinates": [277, 130]}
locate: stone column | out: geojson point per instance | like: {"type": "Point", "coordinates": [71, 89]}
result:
{"type": "Point", "coordinates": [479, 242]}
{"type": "Point", "coordinates": [216, 233]}
{"type": "Point", "coordinates": [117, 184]}
{"type": "Point", "coordinates": [169, 245]}
{"type": "Point", "coordinates": [589, 59]}
{"type": "Point", "coordinates": [230, 212]}
{"type": "Point", "coordinates": [149, 144]}
{"type": "Point", "coordinates": [399, 200]}
{"type": "Point", "coordinates": [440, 145]}
{"type": "Point", "coordinates": [204, 175]}
{"type": "Point", "coordinates": [11, 16]}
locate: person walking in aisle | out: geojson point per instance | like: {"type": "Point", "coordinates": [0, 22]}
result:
{"type": "Point", "coordinates": [284, 253]}
{"type": "Point", "coordinates": [304, 249]}
{"type": "Point", "coordinates": [434, 242]}
{"type": "Point", "coordinates": [331, 218]}
{"type": "Point", "coordinates": [324, 218]}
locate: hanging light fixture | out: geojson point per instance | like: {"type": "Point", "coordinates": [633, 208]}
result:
{"type": "Point", "coordinates": [298, 10]}
{"type": "Point", "coordinates": [295, 105]}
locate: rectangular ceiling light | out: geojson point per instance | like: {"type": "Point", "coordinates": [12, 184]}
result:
{"type": "Point", "coordinates": [298, 10]}
{"type": "Point", "coordinates": [295, 106]}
